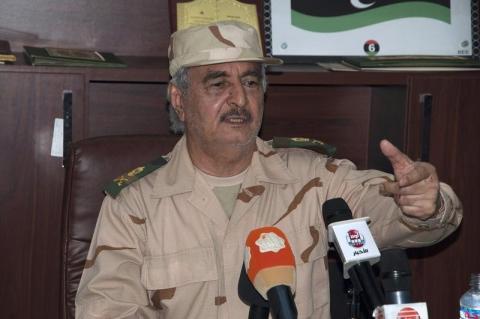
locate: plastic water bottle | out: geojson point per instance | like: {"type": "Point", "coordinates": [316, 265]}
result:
{"type": "Point", "coordinates": [470, 301]}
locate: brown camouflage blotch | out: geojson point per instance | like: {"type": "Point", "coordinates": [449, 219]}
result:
{"type": "Point", "coordinates": [216, 33]}
{"type": "Point", "coordinates": [248, 193]}
{"type": "Point", "coordinates": [162, 294]}
{"type": "Point", "coordinates": [299, 197]}
{"type": "Point", "coordinates": [267, 154]}
{"type": "Point", "coordinates": [90, 262]}
{"type": "Point", "coordinates": [316, 237]}
{"type": "Point", "coordinates": [136, 220]}
{"type": "Point", "coordinates": [219, 300]}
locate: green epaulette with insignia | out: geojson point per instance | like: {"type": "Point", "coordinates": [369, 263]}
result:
{"type": "Point", "coordinates": [302, 142]}
{"type": "Point", "coordinates": [115, 187]}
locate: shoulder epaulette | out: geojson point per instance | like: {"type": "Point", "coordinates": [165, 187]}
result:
{"type": "Point", "coordinates": [115, 187]}
{"type": "Point", "coordinates": [302, 142]}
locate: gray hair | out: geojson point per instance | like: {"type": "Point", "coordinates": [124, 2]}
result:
{"type": "Point", "coordinates": [180, 80]}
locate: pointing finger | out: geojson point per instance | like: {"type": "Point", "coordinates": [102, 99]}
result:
{"type": "Point", "coordinates": [399, 160]}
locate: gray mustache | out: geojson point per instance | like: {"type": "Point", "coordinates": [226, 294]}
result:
{"type": "Point", "coordinates": [237, 112]}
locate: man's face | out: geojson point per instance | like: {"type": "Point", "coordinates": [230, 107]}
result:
{"type": "Point", "coordinates": [224, 104]}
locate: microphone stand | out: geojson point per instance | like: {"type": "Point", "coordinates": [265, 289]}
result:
{"type": "Point", "coordinates": [353, 304]}
{"type": "Point", "coordinates": [281, 303]}
{"type": "Point", "coordinates": [365, 284]}
{"type": "Point", "coordinates": [258, 312]}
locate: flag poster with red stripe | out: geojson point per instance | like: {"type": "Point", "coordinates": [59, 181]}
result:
{"type": "Point", "coordinates": [370, 27]}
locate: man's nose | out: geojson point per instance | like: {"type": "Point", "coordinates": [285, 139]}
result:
{"type": "Point", "coordinates": [237, 95]}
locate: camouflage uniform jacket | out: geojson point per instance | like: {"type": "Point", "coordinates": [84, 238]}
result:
{"type": "Point", "coordinates": [164, 247]}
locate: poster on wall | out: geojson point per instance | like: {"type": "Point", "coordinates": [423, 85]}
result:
{"type": "Point", "coordinates": [368, 27]}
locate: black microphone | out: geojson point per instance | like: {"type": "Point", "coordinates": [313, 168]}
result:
{"type": "Point", "coordinates": [357, 249]}
{"type": "Point", "coordinates": [251, 297]}
{"type": "Point", "coordinates": [396, 281]}
{"type": "Point", "coordinates": [396, 276]}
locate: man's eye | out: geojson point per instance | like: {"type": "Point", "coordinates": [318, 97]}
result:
{"type": "Point", "coordinates": [250, 83]}
{"type": "Point", "coordinates": [218, 84]}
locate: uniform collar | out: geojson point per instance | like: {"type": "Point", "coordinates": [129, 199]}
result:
{"type": "Point", "coordinates": [178, 175]}
{"type": "Point", "coordinates": [268, 166]}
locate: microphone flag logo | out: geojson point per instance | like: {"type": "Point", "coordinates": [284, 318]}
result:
{"type": "Point", "coordinates": [355, 238]}
{"type": "Point", "coordinates": [270, 242]}
{"type": "Point", "coordinates": [408, 313]}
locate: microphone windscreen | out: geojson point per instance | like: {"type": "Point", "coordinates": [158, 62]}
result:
{"type": "Point", "coordinates": [269, 260]}
{"type": "Point", "coordinates": [335, 210]}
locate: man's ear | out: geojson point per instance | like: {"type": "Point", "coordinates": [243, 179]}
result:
{"type": "Point", "coordinates": [176, 100]}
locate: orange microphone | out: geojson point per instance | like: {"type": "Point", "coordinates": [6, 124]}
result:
{"type": "Point", "coordinates": [270, 266]}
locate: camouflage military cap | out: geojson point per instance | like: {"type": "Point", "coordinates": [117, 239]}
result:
{"type": "Point", "coordinates": [219, 42]}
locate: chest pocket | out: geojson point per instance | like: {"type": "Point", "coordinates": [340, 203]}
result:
{"type": "Point", "coordinates": [178, 283]}
{"type": "Point", "coordinates": [179, 269]}
{"type": "Point", "coordinates": [312, 288]}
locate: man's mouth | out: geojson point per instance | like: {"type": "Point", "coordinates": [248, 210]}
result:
{"type": "Point", "coordinates": [236, 116]}
{"type": "Point", "coordinates": [235, 120]}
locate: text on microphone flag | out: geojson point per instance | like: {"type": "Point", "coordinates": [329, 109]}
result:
{"type": "Point", "coordinates": [270, 242]}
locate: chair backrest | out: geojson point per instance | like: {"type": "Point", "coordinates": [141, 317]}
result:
{"type": "Point", "coordinates": [92, 164]}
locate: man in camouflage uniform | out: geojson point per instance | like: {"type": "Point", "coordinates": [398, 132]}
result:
{"type": "Point", "coordinates": [171, 244]}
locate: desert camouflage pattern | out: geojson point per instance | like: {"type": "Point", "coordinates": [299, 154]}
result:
{"type": "Point", "coordinates": [219, 42]}
{"type": "Point", "coordinates": [164, 247]}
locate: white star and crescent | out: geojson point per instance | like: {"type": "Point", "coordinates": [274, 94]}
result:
{"type": "Point", "coordinates": [360, 5]}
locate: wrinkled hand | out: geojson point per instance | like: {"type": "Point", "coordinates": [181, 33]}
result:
{"type": "Point", "coordinates": [416, 187]}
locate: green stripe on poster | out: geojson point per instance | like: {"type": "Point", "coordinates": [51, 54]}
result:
{"type": "Point", "coordinates": [370, 17]}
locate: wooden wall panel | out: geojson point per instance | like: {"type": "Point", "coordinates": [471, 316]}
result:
{"type": "Point", "coordinates": [31, 192]}
{"type": "Point", "coordinates": [387, 121]}
{"type": "Point", "coordinates": [335, 115]}
{"type": "Point", "coordinates": [126, 108]}
{"type": "Point", "coordinates": [441, 273]}
{"type": "Point", "coordinates": [16, 204]}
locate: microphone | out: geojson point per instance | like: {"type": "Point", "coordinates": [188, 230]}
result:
{"type": "Point", "coordinates": [357, 249]}
{"type": "Point", "coordinates": [396, 276]}
{"type": "Point", "coordinates": [396, 281]}
{"type": "Point", "coordinates": [270, 265]}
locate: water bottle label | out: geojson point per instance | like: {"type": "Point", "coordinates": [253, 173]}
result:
{"type": "Point", "coordinates": [469, 313]}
